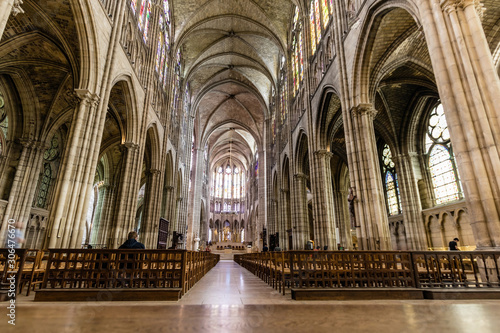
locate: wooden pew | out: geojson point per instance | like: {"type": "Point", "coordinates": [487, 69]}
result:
{"type": "Point", "coordinates": [118, 275]}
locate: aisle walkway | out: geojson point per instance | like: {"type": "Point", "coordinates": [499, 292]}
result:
{"type": "Point", "coordinates": [231, 299]}
{"type": "Point", "coordinates": [230, 284]}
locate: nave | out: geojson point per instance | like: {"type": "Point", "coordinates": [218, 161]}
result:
{"type": "Point", "coordinates": [231, 299]}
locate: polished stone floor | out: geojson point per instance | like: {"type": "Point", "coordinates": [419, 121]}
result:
{"type": "Point", "coordinates": [231, 299]}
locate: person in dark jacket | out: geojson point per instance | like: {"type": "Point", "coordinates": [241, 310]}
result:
{"type": "Point", "coordinates": [131, 242]}
{"type": "Point", "coordinates": [454, 245]}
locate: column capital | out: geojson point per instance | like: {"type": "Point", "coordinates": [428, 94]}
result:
{"type": "Point", "coordinates": [16, 8]}
{"type": "Point", "coordinates": [169, 188]}
{"type": "Point", "coordinates": [364, 109]}
{"type": "Point", "coordinates": [300, 176]}
{"type": "Point", "coordinates": [284, 190]}
{"type": "Point", "coordinates": [449, 6]}
{"type": "Point", "coordinates": [87, 97]}
{"type": "Point", "coordinates": [154, 172]}
{"type": "Point", "coordinates": [130, 146]}
{"type": "Point", "coordinates": [323, 153]}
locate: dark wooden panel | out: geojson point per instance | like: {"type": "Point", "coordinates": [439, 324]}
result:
{"type": "Point", "coordinates": [356, 294]}
{"type": "Point", "coordinates": [107, 295]}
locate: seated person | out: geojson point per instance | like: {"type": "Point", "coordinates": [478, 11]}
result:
{"type": "Point", "coordinates": [131, 242]}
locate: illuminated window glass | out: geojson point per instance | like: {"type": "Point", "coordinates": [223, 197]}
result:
{"type": "Point", "coordinates": [318, 21]}
{"type": "Point", "coordinates": [392, 198]}
{"type": "Point", "coordinates": [312, 18]}
{"type": "Point", "coordinates": [158, 52]}
{"type": "Point", "coordinates": [227, 182]}
{"type": "Point", "coordinates": [326, 13]}
{"type": "Point", "coordinates": [237, 183]}
{"type": "Point", "coordinates": [133, 5]}
{"type": "Point", "coordinates": [218, 193]}
{"type": "Point", "coordinates": [212, 188]}
{"type": "Point", "coordinates": [301, 58]}
{"type": "Point", "coordinates": [297, 53]}
{"type": "Point", "coordinates": [243, 183]}
{"type": "Point", "coordinates": [442, 166]}
{"type": "Point", "coordinates": [146, 22]}
{"type": "Point", "coordinates": [391, 182]}
{"type": "Point", "coordinates": [141, 13]}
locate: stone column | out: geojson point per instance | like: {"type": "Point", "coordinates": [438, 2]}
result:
{"type": "Point", "coordinates": [469, 89]}
{"type": "Point", "coordinates": [151, 217]}
{"type": "Point", "coordinates": [96, 225]}
{"type": "Point", "coordinates": [342, 219]}
{"type": "Point", "coordinates": [106, 215]}
{"type": "Point", "coordinates": [24, 185]}
{"type": "Point", "coordinates": [67, 196]}
{"type": "Point", "coordinates": [370, 208]}
{"type": "Point", "coordinates": [410, 201]}
{"type": "Point", "coordinates": [195, 198]}
{"type": "Point", "coordinates": [178, 227]}
{"type": "Point", "coordinates": [285, 218]}
{"type": "Point", "coordinates": [8, 7]}
{"type": "Point", "coordinates": [167, 198]}
{"type": "Point", "coordinates": [324, 213]}
{"type": "Point", "coordinates": [300, 216]}
{"type": "Point", "coordinates": [262, 195]}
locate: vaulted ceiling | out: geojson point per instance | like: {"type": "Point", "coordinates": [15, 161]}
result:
{"type": "Point", "coordinates": [231, 52]}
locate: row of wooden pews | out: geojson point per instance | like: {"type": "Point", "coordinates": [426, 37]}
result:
{"type": "Point", "coordinates": [397, 273]}
{"type": "Point", "coordinates": [83, 274]}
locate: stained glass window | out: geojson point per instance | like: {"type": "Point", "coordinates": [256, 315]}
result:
{"type": "Point", "coordinates": [301, 58]}
{"type": "Point", "coordinates": [141, 13]}
{"type": "Point", "coordinates": [212, 188]}
{"type": "Point", "coordinates": [227, 182]}
{"type": "Point", "coordinates": [318, 21]}
{"type": "Point", "coordinates": [218, 193]}
{"type": "Point", "coordinates": [391, 182]}
{"type": "Point", "coordinates": [442, 166]}
{"type": "Point", "coordinates": [320, 12]}
{"type": "Point", "coordinates": [243, 185]}
{"type": "Point", "coordinates": [133, 5]}
{"type": "Point", "coordinates": [313, 27]}
{"type": "Point", "coordinates": [158, 52]}
{"type": "Point", "coordinates": [326, 13]}
{"type": "Point", "coordinates": [237, 184]}
{"type": "Point", "coordinates": [44, 186]}
{"type": "Point", "coordinates": [297, 53]}
{"type": "Point", "coordinates": [273, 125]}
{"type": "Point", "coordinates": [283, 91]}
{"type": "Point", "coordinates": [53, 152]}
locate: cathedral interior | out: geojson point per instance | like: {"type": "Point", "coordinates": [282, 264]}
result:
{"type": "Point", "coordinates": [261, 124]}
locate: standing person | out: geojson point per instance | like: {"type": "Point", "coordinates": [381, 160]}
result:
{"type": "Point", "coordinates": [453, 244]}
{"type": "Point", "coordinates": [131, 242]}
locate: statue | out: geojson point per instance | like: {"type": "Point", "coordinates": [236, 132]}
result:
{"type": "Point", "coordinates": [351, 197]}
{"type": "Point", "coordinates": [351, 9]}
